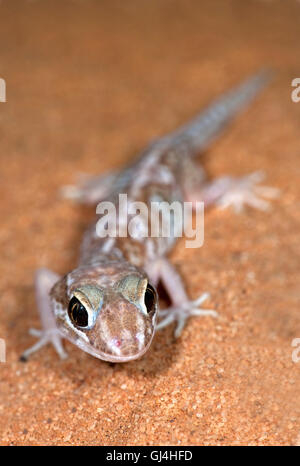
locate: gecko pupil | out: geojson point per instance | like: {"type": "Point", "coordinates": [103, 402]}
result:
{"type": "Point", "coordinates": [149, 298]}
{"type": "Point", "coordinates": [77, 313]}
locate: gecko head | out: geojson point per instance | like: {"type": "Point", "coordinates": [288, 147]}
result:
{"type": "Point", "coordinates": [113, 319]}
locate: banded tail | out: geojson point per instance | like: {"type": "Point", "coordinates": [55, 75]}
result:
{"type": "Point", "coordinates": [206, 126]}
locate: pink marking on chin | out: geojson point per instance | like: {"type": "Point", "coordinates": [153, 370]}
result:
{"type": "Point", "coordinates": [117, 342]}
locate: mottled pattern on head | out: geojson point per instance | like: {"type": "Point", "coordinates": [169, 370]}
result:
{"type": "Point", "coordinates": [119, 326]}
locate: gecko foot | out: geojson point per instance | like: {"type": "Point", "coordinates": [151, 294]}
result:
{"type": "Point", "coordinates": [45, 336]}
{"type": "Point", "coordinates": [180, 314]}
{"type": "Point", "coordinates": [89, 189]}
{"type": "Point", "coordinates": [244, 191]}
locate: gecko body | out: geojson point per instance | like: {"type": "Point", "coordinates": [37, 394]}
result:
{"type": "Point", "coordinates": [108, 305]}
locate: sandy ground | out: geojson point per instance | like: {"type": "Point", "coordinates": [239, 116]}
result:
{"type": "Point", "coordinates": [88, 85]}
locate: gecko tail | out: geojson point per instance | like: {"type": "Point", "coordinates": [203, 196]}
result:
{"type": "Point", "coordinates": [207, 126]}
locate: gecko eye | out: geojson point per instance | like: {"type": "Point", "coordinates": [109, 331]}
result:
{"type": "Point", "coordinates": [150, 298]}
{"type": "Point", "coordinates": [77, 313]}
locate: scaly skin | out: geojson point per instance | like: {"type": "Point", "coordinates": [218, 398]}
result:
{"type": "Point", "coordinates": [108, 305]}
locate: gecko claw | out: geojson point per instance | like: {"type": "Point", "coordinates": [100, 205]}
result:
{"type": "Point", "coordinates": [180, 314]}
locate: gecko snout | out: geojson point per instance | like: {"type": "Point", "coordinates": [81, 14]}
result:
{"type": "Point", "coordinates": [124, 330]}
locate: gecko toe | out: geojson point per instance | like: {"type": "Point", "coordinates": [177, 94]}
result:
{"type": "Point", "coordinates": [180, 314]}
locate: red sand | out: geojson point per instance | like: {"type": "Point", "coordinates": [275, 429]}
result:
{"type": "Point", "coordinates": [88, 85]}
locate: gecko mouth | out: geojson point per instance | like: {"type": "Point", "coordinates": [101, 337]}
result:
{"type": "Point", "coordinates": [122, 357]}
{"type": "Point", "coordinates": [116, 350]}
{"type": "Point", "coordinates": [122, 351]}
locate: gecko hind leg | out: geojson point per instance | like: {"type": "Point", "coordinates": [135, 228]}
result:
{"type": "Point", "coordinates": [89, 189]}
{"type": "Point", "coordinates": [245, 191]}
{"type": "Point", "coordinates": [236, 192]}
{"type": "Point", "coordinates": [44, 281]}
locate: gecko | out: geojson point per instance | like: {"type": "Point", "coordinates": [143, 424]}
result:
{"type": "Point", "coordinates": [108, 305]}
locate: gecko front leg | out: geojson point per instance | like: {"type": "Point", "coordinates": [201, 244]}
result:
{"type": "Point", "coordinates": [182, 308]}
{"type": "Point", "coordinates": [44, 281]}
